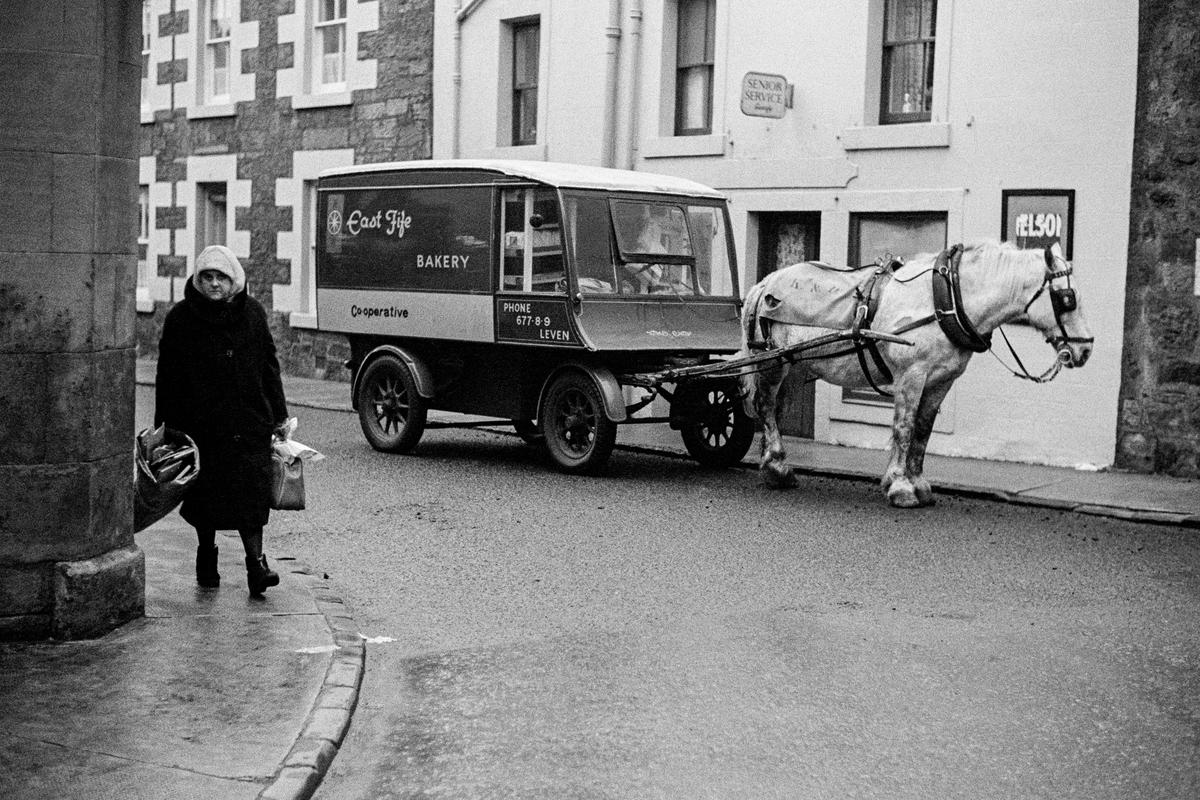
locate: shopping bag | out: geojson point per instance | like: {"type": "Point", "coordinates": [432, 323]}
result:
{"type": "Point", "coordinates": [287, 482]}
{"type": "Point", "coordinates": [165, 463]}
{"type": "Point", "coordinates": [287, 469]}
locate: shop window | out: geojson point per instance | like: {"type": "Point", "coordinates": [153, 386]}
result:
{"type": "Point", "coordinates": [873, 236]}
{"type": "Point", "coordinates": [532, 242]}
{"type": "Point", "coordinates": [909, 32]}
{"type": "Point", "coordinates": [211, 215]}
{"type": "Point", "coordinates": [525, 54]}
{"type": "Point", "coordinates": [329, 46]}
{"type": "Point", "coordinates": [694, 47]}
{"type": "Point", "coordinates": [215, 52]}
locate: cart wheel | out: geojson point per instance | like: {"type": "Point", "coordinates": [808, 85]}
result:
{"type": "Point", "coordinates": [716, 431]}
{"type": "Point", "coordinates": [579, 437]}
{"type": "Point", "coordinates": [390, 411]}
{"type": "Point", "coordinates": [528, 431]}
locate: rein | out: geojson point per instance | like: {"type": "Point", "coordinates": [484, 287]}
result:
{"type": "Point", "coordinates": [1061, 301]}
{"type": "Point", "coordinates": [951, 317]}
{"type": "Point", "coordinates": [1047, 376]}
{"type": "Point", "coordinates": [949, 314]}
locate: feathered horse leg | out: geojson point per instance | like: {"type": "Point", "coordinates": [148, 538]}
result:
{"type": "Point", "coordinates": [773, 458]}
{"type": "Point", "coordinates": [931, 403]}
{"type": "Point", "coordinates": [897, 479]}
{"type": "Point", "coordinates": [761, 388]}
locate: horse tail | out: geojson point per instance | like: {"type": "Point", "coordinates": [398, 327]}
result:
{"type": "Point", "coordinates": [750, 337]}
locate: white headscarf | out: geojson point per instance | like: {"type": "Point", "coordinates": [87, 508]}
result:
{"type": "Point", "coordinates": [220, 258]}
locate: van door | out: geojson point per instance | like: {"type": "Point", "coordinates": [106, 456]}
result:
{"type": "Point", "coordinates": [531, 301]}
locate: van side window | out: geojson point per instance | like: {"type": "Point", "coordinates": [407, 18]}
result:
{"type": "Point", "coordinates": [590, 236]}
{"type": "Point", "coordinates": [532, 242]}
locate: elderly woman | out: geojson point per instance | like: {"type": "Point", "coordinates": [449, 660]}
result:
{"type": "Point", "coordinates": [218, 382]}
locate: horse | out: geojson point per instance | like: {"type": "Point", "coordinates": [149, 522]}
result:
{"type": "Point", "coordinates": [907, 335]}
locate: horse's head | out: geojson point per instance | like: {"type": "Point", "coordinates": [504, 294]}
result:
{"type": "Point", "coordinates": [1055, 310]}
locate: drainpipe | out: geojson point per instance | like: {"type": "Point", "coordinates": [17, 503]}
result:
{"type": "Point", "coordinates": [634, 73]}
{"type": "Point", "coordinates": [456, 81]}
{"type": "Point", "coordinates": [608, 150]}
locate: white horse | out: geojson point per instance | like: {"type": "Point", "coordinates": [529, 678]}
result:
{"type": "Point", "coordinates": [991, 285]}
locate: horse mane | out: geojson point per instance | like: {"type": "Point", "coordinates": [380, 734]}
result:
{"type": "Point", "coordinates": [1002, 249]}
{"type": "Point", "coordinates": [1006, 253]}
{"type": "Point", "coordinates": [1014, 266]}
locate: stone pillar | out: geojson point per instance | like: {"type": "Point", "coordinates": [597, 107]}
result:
{"type": "Point", "coordinates": [1159, 425]}
{"type": "Point", "coordinates": [69, 76]}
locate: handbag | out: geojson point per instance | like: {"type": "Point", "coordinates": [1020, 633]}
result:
{"type": "Point", "coordinates": [166, 462]}
{"type": "Point", "coordinates": [287, 482]}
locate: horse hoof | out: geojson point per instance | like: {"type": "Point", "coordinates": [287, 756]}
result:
{"type": "Point", "coordinates": [779, 477]}
{"type": "Point", "coordinates": [903, 498]}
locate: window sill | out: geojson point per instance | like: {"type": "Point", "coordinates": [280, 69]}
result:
{"type": "Point", "coordinates": [208, 112]}
{"type": "Point", "coordinates": [684, 146]}
{"type": "Point", "coordinates": [147, 116]}
{"type": "Point", "coordinates": [144, 304]}
{"type": "Point", "coordinates": [897, 137]}
{"type": "Point", "coordinates": [529, 152]}
{"type": "Point", "coordinates": [303, 101]}
{"type": "Point", "coordinates": [879, 412]}
{"type": "Point", "coordinates": [301, 319]}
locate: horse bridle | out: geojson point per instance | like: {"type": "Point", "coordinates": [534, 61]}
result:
{"type": "Point", "coordinates": [1062, 301]}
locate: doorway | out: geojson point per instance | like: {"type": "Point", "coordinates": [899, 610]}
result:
{"type": "Point", "coordinates": [786, 238]}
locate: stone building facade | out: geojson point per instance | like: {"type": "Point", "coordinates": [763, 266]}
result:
{"type": "Point", "coordinates": [1160, 388]}
{"type": "Point", "coordinates": [1109, 84]}
{"type": "Point", "coordinates": [244, 102]}
{"type": "Point", "coordinates": [844, 130]}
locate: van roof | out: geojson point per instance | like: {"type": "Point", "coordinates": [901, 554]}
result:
{"type": "Point", "coordinates": [558, 174]}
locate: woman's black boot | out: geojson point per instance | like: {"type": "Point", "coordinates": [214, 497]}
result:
{"type": "Point", "coordinates": [259, 576]}
{"type": "Point", "coordinates": [206, 567]}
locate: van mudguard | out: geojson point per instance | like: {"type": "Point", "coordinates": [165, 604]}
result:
{"type": "Point", "coordinates": [606, 383]}
{"type": "Point", "coordinates": [421, 374]}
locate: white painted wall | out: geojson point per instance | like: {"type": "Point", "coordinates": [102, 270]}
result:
{"type": "Point", "coordinates": [1027, 95]}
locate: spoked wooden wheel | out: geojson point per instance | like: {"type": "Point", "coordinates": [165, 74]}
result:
{"type": "Point", "coordinates": [579, 436]}
{"type": "Point", "coordinates": [390, 411]}
{"type": "Point", "coordinates": [716, 431]}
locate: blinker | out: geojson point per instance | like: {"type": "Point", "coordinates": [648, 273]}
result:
{"type": "Point", "coordinates": [1063, 300]}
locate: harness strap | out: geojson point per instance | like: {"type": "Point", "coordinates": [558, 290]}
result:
{"type": "Point", "coordinates": [947, 303]}
{"type": "Point", "coordinates": [868, 294]}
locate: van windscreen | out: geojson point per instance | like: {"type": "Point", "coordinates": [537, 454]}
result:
{"type": "Point", "coordinates": [633, 246]}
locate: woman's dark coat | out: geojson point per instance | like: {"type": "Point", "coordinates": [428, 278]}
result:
{"type": "Point", "coordinates": [218, 381]}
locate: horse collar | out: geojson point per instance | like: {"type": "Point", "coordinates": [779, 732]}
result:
{"type": "Point", "coordinates": [948, 306]}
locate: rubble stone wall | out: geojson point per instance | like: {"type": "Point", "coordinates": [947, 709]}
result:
{"type": "Point", "coordinates": [391, 121]}
{"type": "Point", "coordinates": [1159, 424]}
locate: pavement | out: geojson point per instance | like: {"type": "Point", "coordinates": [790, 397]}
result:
{"type": "Point", "coordinates": [216, 695]}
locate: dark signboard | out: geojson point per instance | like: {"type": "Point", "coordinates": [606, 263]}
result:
{"type": "Point", "coordinates": [1038, 218]}
{"type": "Point", "coordinates": [424, 238]}
{"type": "Point", "coordinates": [520, 319]}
